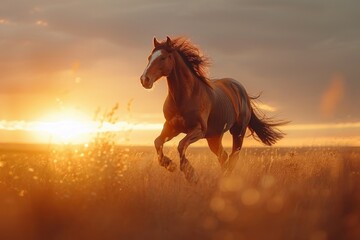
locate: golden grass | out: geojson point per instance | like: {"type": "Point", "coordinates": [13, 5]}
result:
{"type": "Point", "coordinates": [105, 191]}
{"type": "Point", "coordinates": [109, 192]}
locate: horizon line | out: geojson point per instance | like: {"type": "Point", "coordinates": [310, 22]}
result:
{"type": "Point", "coordinates": [99, 126]}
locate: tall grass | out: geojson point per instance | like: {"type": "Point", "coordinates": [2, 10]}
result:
{"type": "Point", "coordinates": [105, 191]}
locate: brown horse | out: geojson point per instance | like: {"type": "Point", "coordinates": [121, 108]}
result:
{"type": "Point", "coordinates": [200, 107]}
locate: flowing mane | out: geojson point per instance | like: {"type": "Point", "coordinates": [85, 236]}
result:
{"type": "Point", "coordinates": [197, 63]}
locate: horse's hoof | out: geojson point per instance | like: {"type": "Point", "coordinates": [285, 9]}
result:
{"type": "Point", "coordinates": [171, 167]}
{"type": "Point", "coordinates": [228, 166]}
{"type": "Point", "coordinates": [191, 176]}
{"type": "Point", "coordinates": [226, 172]}
{"type": "Point", "coordinates": [194, 179]}
{"type": "Point", "coordinates": [168, 164]}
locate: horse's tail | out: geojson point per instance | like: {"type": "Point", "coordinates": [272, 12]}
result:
{"type": "Point", "coordinates": [265, 128]}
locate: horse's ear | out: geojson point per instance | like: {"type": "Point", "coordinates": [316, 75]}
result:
{"type": "Point", "coordinates": [168, 41]}
{"type": "Point", "coordinates": [156, 43]}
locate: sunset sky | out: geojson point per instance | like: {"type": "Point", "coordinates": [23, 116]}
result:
{"type": "Point", "coordinates": [61, 60]}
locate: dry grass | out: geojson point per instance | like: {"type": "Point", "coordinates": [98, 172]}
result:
{"type": "Point", "coordinates": [108, 192]}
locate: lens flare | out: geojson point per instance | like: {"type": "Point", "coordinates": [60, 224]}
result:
{"type": "Point", "coordinates": [332, 96]}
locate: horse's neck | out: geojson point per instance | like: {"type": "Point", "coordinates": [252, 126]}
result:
{"type": "Point", "coordinates": [181, 82]}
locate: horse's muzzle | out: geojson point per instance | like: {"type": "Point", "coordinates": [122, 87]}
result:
{"type": "Point", "coordinates": [146, 82]}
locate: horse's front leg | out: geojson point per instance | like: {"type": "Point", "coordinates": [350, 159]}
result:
{"type": "Point", "coordinates": [167, 134]}
{"type": "Point", "coordinates": [196, 134]}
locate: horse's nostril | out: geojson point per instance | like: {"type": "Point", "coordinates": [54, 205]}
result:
{"type": "Point", "coordinates": [143, 79]}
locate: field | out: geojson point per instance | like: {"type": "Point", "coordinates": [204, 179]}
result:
{"type": "Point", "coordinates": [107, 192]}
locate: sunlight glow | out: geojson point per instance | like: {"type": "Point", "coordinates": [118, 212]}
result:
{"type": "Point", "coordinates": [79, 129]}
{"type": "Point", "coordinates": [332, 96]}
{"type": "Point", "coordinates": [42, 23]}
{"type": "Point", "coordinates": [3, 21]}
{"type": "Point", "coordinates": [266, 107]}
{"type": "Point", "coordinates": [74, 131]}
{"type": "Point", "coordinates": [321, 126]}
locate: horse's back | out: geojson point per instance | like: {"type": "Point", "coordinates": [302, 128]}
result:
{"type": "Point", "coordinates": [230, 103]}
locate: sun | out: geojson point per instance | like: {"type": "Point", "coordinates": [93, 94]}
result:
{"type": "Point", "coordinates": [67, 126]}
{"type": "Point", "coordinates": [67, 131]}
{"type": "Point", "coordinates": [72, 126]}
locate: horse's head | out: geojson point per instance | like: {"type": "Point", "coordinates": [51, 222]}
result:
{"type": "Point", "coordinates": [160, 63]}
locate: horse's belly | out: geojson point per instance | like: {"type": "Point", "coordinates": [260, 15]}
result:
{"type": "Point", "coordinates": [218, 125]}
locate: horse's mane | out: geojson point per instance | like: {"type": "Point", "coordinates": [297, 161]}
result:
{"type": "Point", "coordinates": [191, 54]}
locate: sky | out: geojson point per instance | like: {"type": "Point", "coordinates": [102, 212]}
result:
{"type": "Point", "coordinates": [69, 58]}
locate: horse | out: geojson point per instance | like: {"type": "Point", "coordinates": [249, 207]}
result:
{"type": "Point", "coordinates": [202, 107]}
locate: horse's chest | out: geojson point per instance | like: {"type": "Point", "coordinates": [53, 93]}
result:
{"type": "Point", "coordinates": [178, 121]}
{"type": "Point", "coordinates": [181, 123]}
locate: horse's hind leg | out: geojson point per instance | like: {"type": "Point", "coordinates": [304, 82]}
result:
{"type": "Point", "coordinates": [238, 134]}
{"type": "Point", "coordinates": [216, 147]}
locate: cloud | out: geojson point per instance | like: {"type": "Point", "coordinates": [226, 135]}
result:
{"type": "Point", "coordinates": [322, 126]}
{"type": "Point", "coordinates": [287, 49]}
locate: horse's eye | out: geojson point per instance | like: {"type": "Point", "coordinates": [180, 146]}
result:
{"type": "Point", "coordinates": [162, 58]}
